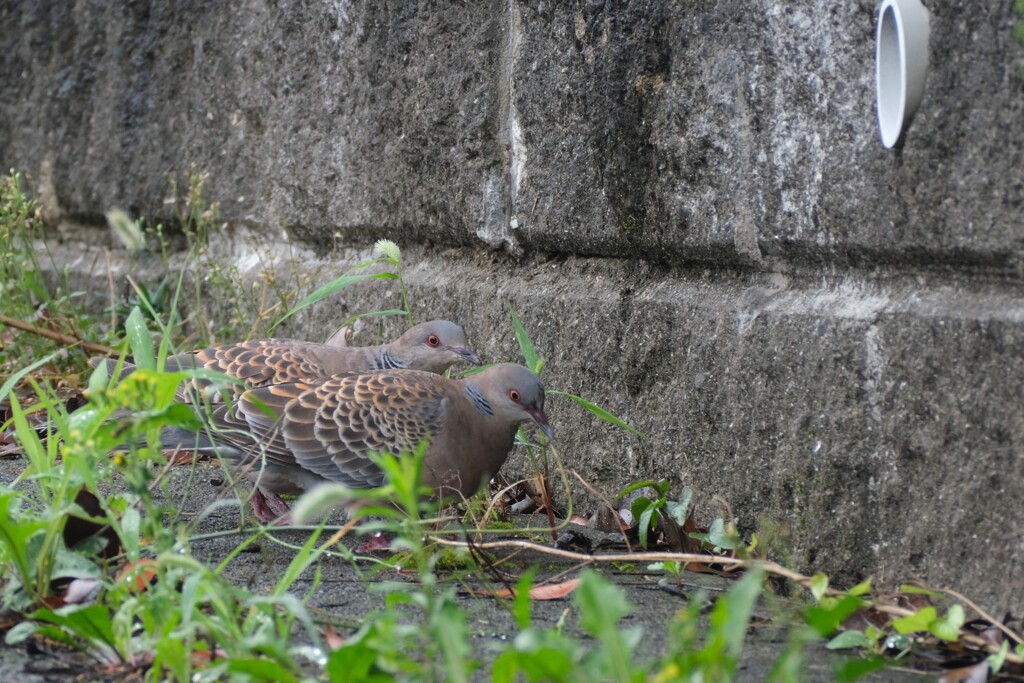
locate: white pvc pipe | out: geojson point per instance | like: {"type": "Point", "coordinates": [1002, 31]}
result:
{"type": "Point", "coordinates": [901, 61]}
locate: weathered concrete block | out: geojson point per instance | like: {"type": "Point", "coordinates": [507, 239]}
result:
{"type": "Point", "coordinates": [718, 132]}
{"type": "Point", "coordinates": [730, 132]}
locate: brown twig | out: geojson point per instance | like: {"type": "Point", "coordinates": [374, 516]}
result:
{"type": "Point", "coordinates": [65, 339]}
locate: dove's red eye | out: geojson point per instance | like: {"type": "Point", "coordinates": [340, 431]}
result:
{"type": "Point", "coordinates": [433, 340]}
{"type": "Point", "coordinates": [514, 395]}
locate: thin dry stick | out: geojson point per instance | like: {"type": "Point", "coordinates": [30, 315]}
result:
{"type": "Point", "coordinates": [65, 339]}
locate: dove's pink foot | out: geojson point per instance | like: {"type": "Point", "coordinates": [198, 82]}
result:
{"type": "Point", "coordinates": [269, 507]}
{"type": "Point", "coordinates": [379, 542]}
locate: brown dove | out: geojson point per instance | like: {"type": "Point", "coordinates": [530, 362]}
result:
{"type": "Point", "coordinates": [432, 346]}
{"type": "Point", "coordinates": [324, 430]}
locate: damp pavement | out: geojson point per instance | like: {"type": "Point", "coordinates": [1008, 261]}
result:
{"type": "Point", "coordinates": [342, 593]}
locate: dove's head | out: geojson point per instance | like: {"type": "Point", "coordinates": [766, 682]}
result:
{"type": "Point", "coordinates": [433, 347]}
{"type": "Point", "coordinates": [514, 394]}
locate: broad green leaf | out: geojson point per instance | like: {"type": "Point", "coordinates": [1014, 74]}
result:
{"type": "Point", "coordinates": [948, 627]}
{"type": "Point", "coordinates": [717, 536]}
{"type": "Point", "coordinates": [849, 639]}
{"type": "Point", "coordinates": [140, 340]}
{"type": "Point", "coordinates": [644, 523]}
{"type": "Point", "coordinates": [601, 413]}
{"type": "Point", "coordinates": [681, 509]}
{"type": "Point", "coordinates": [92, 623]}
{"type": "Point", "coordinates": [331, 288]}
{"type": "Point", "coordinates": [827, 617]}
{"type": "Point", "coordinates": [20, 631]}
{"type": "Point", "coordinates": [819, 584]}
{"type": "Point", "coordinates": [640, 504]}
{"type": "Point", "coordinates": [862, 588]}
{"type": "Point", "coordinates": [918, 621]}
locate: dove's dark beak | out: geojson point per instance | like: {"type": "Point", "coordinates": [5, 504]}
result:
{"type": "Point", "coordinates": [465, 353]}
{"type": "Point", "coordinates": [541, 420]}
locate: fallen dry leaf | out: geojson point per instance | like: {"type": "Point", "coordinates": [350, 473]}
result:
{"type": "Point", "coordinates": [140, 575]}
{"type": "Point", "coordinates": [551, 591]}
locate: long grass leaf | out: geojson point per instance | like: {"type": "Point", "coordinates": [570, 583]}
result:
{"type": "Point", "coordinates": [13, 380]}
{"type": "Point", "coordinates": [371, 314]}
{"type": "Point", "coordinates": [332, 287]}
{"type": "Point", "coordinates": [533, 361]}
{"type": "Point", "coordinates": [600, 412]}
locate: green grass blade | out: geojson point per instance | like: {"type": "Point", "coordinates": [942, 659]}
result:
{"type": "Point", "coordinates": [601, 412]}
{"type": "Point", "coordinates": [533, 361]}
{"type": "Point", "coordinates": [13, 380]}
{"type": "Point", "coordinates": [332, 287]}
{"type": "Point", "coordinates": [371, 314]}
{"type": "Point", "coordinates": [31, 445]}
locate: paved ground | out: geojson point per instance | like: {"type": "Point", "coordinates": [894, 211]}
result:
{"type": "Point", "coordinates": [342, 595]}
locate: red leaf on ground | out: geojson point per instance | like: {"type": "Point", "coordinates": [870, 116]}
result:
{"type": "Point", "coordinates": [140, 575]}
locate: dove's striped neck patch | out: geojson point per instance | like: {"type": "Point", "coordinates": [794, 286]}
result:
{"type": "Point", "coordinates": [479, 402]}
{"type": "Point", "coordinates": [385, 361]}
